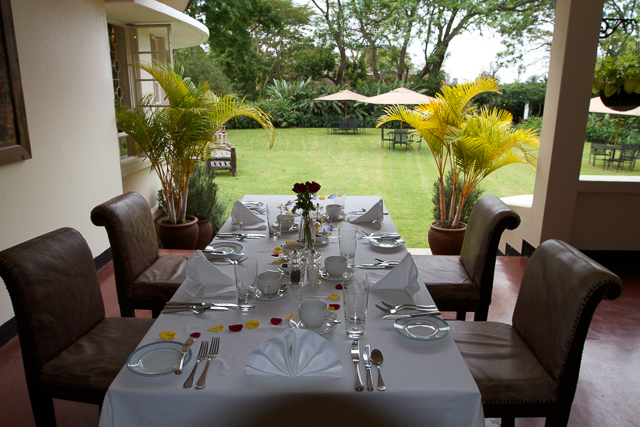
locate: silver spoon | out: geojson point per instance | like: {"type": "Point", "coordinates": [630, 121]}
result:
{"type": "Point", "coordinates": [283, 288]}
{"type": "Point", "coordinates": [193, 310]}
{"type": "Point", "coordinates": [377, 359]}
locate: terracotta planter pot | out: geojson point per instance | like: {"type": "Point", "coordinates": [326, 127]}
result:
{"type": "Point", "coordinates": [622, 101]}
{"type": "Point", "coordinates": [446, 241]}
{"type": "Point", "coordinates": [205, 233]}
{"type": "Point", "coordinates": [179, 236]}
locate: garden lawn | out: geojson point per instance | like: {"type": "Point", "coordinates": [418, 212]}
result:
{"type": "Point", "coordinates": [588, 168]}
{"type": "Point", "coordinates": [404, 180]}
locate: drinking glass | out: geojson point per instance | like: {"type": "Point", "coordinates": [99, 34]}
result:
{"type": "Point", "coordinates": [246, 273]}
{"type": "Point", "coordinates": [347, 237]}
{"type": "Point", "coordinates": [274, 226]}
{"type": "Point", "coordinates": [340, 195]}
{"type": "Point", "coordinates": [356, 298]}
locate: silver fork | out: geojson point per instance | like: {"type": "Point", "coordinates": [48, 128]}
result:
{"type": "Point", "coordinates": [408, 306]}
{"type": "Point", "coordinates": [417, 309]}
{"type": "Point", "coordinates": [213, 353]}
{"type": "Point", "coordinates": [202, 354]}
{"type": "Point", "coordinates": [381, 261]}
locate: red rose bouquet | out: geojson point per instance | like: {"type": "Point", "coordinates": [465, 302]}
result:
{"type": "Point", "coordinates": [305, 192]}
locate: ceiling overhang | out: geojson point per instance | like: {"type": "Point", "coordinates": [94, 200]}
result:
{"type": "Point", "coordinates": [185, 31]}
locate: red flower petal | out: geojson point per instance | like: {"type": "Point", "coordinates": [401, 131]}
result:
{"type": "Point", "coordinates": [235, 328]}
{"type": "Point", "coordinates": [338, 286]}
{"type": "Point", "coordinates": [195, 335]}
{"type": "Point", "coordinates": [276, 320]}
{"type": "Point", "coordinates": [335, 306]}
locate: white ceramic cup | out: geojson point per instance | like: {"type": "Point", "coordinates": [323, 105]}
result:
{"type": "Point", "coordinates": [333, 210]}
{"type": "Point", "coordinates": [313, 313]}
{"type": "Point", "coordinates": [286, 221]}
{"type": "Point", "coordinates": [269, 283]}
{"type": "Point", "coordinates": [335, 265]}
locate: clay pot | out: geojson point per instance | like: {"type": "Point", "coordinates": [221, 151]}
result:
{"type": "Point", "coordinates": [179, 236]}
{"type": "Point", "coordinates": [622, 101]}
{"type": "Point", "coordinates": [446, 241]}
{"type": "Point", "coordinates": [205, 233]}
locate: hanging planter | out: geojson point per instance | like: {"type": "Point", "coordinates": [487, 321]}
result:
{"type": "Point", "coordinates": [622, 101]}
{"type": "Point", "coordinates": [617, 82]}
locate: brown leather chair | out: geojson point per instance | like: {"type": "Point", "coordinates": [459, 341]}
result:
{"type": "Point", "coordinates": [70, 350]}
{"type": "Point", "coordinates": [465, 283]}
{"type": "Point", "coordinates": [144, 279]}
{"type": "Point", "coordinates": [531, 369]}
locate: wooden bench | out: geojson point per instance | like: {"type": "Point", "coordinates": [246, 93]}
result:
{"type": "Point", "coordinates": [223, 156]}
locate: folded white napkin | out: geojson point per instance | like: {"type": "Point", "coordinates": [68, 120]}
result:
{"type": "Point", "coordinates": [402, 276]}
{"type": "Point", "coordinates": [203, 276]}
{"type": "Point", "coordinates": [293, 353]}
{"type": "Point", "coordinates": [374, 215]}
{"type": "Point", "coordinates": [243, 218]}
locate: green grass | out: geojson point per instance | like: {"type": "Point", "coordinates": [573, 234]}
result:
{"type": "Point", "coordinates": [589, 169]}
{"type": "Point", "coordinates": [404, 180]}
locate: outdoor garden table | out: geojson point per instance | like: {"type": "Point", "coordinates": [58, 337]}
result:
{"type": "Point", "coordinates": [428, 383]}
{"type": "Point", "coordinates": [401, 136]}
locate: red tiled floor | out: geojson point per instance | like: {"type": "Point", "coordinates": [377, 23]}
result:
{"type": "Point", "coordinates": [608, 389]}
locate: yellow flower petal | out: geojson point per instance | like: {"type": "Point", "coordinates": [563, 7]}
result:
{"type": "Point", "coordinates": [321, 197]}
{"type": "Point", "coordinates": [331, 309]}
{"type": "Point", "coordinates": [339, 195]}
{"type": "Point", "coordinates": [291, 241]}
{"type": "Point", "coordinates": [217, 328]}
{"type": "Point", "coordinates": [252, 324]}
{"type": "Point", "coordinates": [324, 219]}
{"type": "Point", "coordinates": [334, 297]}
{"type": "Point", "coordinates": [289, 316]}
{"type": "Point", "coordinates": [278, 261]}
{"type": "Point", "coordinates": [278, 250]}
{"type": "Point", "coordinates": [289, 213]}
{"type": "Point", "coordinates": [335, 223]}
{"type": "Point", "coordinates": [330, 233]}
{"type": "Point", "coordinates": [167, 335]}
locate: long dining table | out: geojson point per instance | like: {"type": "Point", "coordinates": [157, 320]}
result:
{"type": "Point", "coordinates": [428, 383]}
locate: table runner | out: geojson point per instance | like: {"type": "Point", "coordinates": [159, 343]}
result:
{"type": "Point", "coordinates": [428, 383]}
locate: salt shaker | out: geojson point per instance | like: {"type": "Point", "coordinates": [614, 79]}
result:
{"type": "Point", "coordinates": [313, 268]}
{"type": "Point", "coordinates": [295, 269]}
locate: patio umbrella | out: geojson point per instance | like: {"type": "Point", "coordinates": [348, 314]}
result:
{"type": "Point", "coordinates": [596, 106]}
{"type": "Point", "coordinates": [343, 95]}
{"type": "Point", "coordinates": [402, 95]}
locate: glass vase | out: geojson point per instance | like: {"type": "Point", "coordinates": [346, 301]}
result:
{"type": "Point", "coordinates": [307, 231]}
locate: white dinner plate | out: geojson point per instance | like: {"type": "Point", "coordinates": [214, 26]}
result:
{"type": "Point", "coordinates": [281, 294]}
{"type": "Point", "coordinates": [345, 276]}
{"type": "Point", "coordinates": [422, 328]}
{"type": "Point", "coordinates": [223, 250]}
{"type": "Point", "coordinates": [328, 325]}
{"type": "Point", "coordinates": [386, 243]}
{"type": "Point", "coordinates": [157, 358]}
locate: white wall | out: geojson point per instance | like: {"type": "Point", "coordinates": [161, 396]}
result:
{"type": "Point", "coordinates": [66, 75]}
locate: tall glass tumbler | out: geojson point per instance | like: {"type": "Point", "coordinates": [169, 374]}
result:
{"type": "Point", "coordinates": [356, 298]}
{"type": "Point", "coordinates": [348, 240]}
{"type": "Point", "coordinates": [246, 274]}
{"type": "Point", "coordinates": [274, 226]}
{"type": "Point", "coordinates": [340, 195]}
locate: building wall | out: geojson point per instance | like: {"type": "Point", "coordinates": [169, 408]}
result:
{"type": "Point", "coordinates": [66, 75]}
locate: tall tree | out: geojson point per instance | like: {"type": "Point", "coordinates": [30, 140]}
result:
{"type": "Point", "coordinates": [335, 15]}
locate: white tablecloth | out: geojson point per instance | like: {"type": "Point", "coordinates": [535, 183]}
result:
{"type": "Point", "coordinates": [428, 383]}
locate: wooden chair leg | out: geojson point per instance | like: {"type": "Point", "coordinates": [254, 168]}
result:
{"type": "Point", "coordinates": [43, 411]}
{"type": "Point", "coordinates": [508, 422]}
{"type": "Point", "coordinates": [155, 313]}
{"type": "Point", "coordinates": [461, 315]}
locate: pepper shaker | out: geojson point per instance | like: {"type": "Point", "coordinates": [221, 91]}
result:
{"type": "Point", "coordinates": [295, 269]}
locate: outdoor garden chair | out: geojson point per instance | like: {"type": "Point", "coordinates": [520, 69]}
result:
{"type": "Point", "coordinates": [70, 350]}
{"type": "Point", "coordinates": [598, 149]}
{"type": "Point", "coordinates": [627, 155]}
{"type": "Point", "coordinates": [144, 279]}
{"type": "Point", "coordinates": [465, 283]}
{"type": "Point", "coordinates": [530, 368]}
{"type": "Point", "coordinates": [385, 138]}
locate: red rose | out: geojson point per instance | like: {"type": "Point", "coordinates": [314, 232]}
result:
{"type": "Point", "coordinates": [195, 335]}
{"type": "Point", "coordinates": [235, 328]}
{"type": "Point", "coordinates": [335, 306]}
{"type": "Point", "coordinates": [299, 188]}
{"type": "Point", "coordinates": [314, 187]}
{"type": "Point", "coordinates": [276, 320]}
{"type": "Point", "coordinates": [338, 286]}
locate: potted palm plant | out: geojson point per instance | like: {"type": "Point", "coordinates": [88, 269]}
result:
{"type": "Point", "coordinates": [175, 132]}
{"type": "Point", "coordinates": [470, 142]}
{"type": "Point", "coordinates": [617, 82]}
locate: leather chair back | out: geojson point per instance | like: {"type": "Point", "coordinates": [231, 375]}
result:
{"type": "Point", "coordinates": [132, 234]}
{"type": "Point", "coordinates": [560, 291]}
{"type": "Point", "coordinates": [488, 219]}
{"type": "Point", "coordinates": [47, 298]}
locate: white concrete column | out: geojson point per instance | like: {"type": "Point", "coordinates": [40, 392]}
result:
{"type": "Point", "coordinates": [573, 56]}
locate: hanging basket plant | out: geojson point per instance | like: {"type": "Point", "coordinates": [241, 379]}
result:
{"type": "Point", "coordinates": [617, 82]}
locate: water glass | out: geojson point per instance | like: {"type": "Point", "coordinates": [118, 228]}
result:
{"type": "Point", "coordinates": [313, 268]}
{"type": "Point", "coordinates": [356, 298]}
{"type": "Point", "coordinates": [246, 273]}
{"type": "Point", "coordinates": [340, 195]}
{"type": "Point", "coordinates": [274, 226]}
{"type": "Point", "coordinates": [347, 237]}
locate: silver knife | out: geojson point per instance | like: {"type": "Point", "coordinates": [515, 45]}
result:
{"type": "Point", "coordinates": [202, 304]}
{"type": "Point", "coordinates": [185, 349]}
{"type": "Point", "coordinates": [375, 266]}
{"type": "Point", "coordinates": [406, 316]}
{"type": "Point", "coordinates": [355, 356]}
{"type": "Point", "coordinates": [366, 357]}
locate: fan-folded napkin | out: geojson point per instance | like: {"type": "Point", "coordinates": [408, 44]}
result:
{"type": "Point", "coordinates": [294, 353]}
{"type": "Point", "coordinates": [201, 274]}
{"type": "Point", "coordinates": [402, 276]}
{"type": "Point", "coordinates": [374, 215]}
{"type": "Point", "coordinates": [243, 218]}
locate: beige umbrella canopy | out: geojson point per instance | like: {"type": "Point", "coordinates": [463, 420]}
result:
{"type": "Point", "coordinates": [596, 106]}
{"type": "Point", "coordinates": [401, 95]}
{"type": "Point", "coordinates": [343, 95]}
